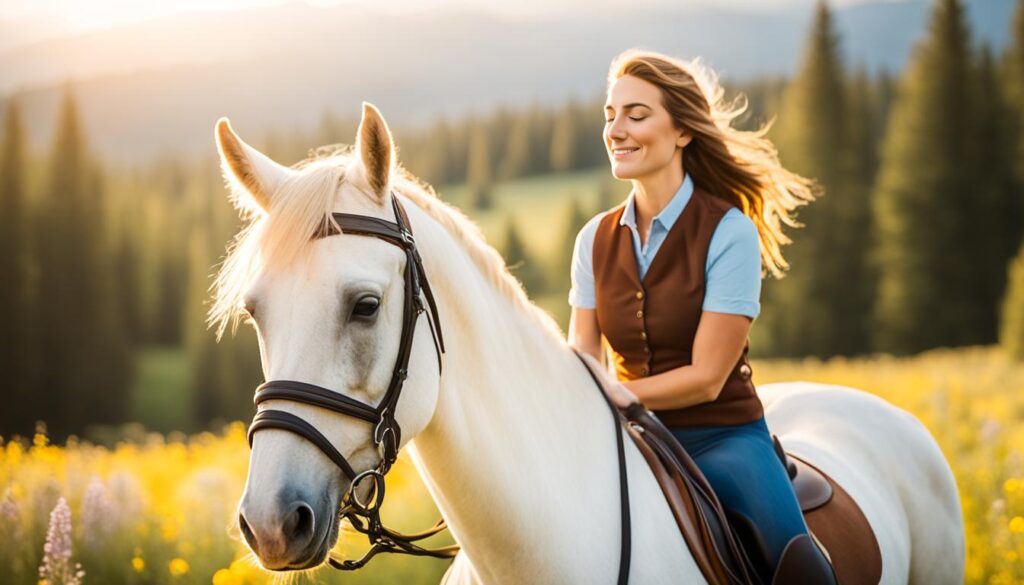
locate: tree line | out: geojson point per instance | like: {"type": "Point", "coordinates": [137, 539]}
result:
{"type": "Point", "coordinates": [914, 243]}
{"type": "Point", "coordinates": [923, 199]}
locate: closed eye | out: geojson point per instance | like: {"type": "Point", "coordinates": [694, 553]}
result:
{"type": "Point", "coordinates": [366, 307]}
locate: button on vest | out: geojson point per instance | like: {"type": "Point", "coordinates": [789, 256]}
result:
{"type": "Point", "coordinates": [650, 324]}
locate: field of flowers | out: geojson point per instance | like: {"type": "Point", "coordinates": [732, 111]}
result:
{"type": "Point", "coordinates": [162, 509]}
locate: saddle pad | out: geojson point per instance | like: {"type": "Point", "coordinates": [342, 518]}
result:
{"type": "Point", "coordinates": [844, 531]}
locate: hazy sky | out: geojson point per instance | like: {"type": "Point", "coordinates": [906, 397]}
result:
{"type": "Point", "coordinates": [64, 16]}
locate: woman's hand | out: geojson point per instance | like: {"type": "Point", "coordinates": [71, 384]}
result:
{"type": "Point", "coordinates": [621, 396]}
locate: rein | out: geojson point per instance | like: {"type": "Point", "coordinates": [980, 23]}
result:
{"type": "Point", "coordinates": [387, 435]}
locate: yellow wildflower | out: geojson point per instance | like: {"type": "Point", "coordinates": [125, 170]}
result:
{"type": "Point", "coordinates": [222, 577]}
{"type": "Point", "coordinates": [178, 567]}
{"type": "Point", "coordinates": [1017, 524]}
{"type": "Point", "coordinates": [14, 453]}
{"type": "Point", "coordinates": [138, 564]}
{"type": "Point", "coordinates": [1011, 485]}
{"type": "Point", "coordinates": [169, 530]}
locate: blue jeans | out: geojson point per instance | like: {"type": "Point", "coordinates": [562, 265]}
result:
{"type": "Point", "coordinates": [740, 463]}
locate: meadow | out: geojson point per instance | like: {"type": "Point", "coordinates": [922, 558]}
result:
{"type": "Point", "coordinates": [157, 508]}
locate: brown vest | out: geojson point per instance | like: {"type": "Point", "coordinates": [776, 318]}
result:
{"type": "Point", "coordinates": [651, 324]}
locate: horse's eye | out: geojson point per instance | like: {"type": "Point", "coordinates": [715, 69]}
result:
{"type": "Point", "coordinates": [366, 307]}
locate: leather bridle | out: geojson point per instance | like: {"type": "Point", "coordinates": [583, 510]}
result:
{"type": "Point", "coordinates": [387, 435]}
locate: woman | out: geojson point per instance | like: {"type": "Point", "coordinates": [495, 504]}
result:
{"type": "Point", "coordinates": [671, 279]}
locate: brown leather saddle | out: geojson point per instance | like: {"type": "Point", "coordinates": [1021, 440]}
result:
{"type": "Point", "coordinates": [728, 547]}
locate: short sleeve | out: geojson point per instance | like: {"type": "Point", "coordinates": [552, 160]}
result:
{"type": "Point", "coordinates": [581, 293]}
{"type": "Point", "coordinates": [733, 271]}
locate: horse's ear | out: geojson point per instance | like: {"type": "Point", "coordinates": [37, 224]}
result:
{"type": "Point", "coordinates": [376, 150]}
{"type": "Point", "coordinates": [244, 166]}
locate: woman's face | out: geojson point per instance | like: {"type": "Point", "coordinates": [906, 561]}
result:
{"type": "Point", "coordinates": [638, 133]}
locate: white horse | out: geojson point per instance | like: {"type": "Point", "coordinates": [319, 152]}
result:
{"type": "Point", "coordinates": [514, 442]}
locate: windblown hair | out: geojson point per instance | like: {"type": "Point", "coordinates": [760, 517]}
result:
{"type": "Point", "coordinates": [302, 205]}
{"type": "Point", "coordinates": [739, 166]}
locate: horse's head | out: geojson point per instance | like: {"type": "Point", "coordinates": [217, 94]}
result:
{"type": "Point", "coordinates": [329, 313]}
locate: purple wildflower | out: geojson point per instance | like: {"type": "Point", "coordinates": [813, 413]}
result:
{"type": "Point", "coordinates": [10, 527]}
{"type": "Point", "coordinates": [9, 509]}
{"type": "Point", "coordinates": [56, 568]}
{"type": "Point", "coordinates": [98, 514]}
{"type": "Point", "coordinates": [124, 489]}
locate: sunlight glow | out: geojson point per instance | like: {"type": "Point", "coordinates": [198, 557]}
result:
{"type": "Point", "coordinates": [75, 16]}
{"type": "Point", "coordinates": [62, 17]}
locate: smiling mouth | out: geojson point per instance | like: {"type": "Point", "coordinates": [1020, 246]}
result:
{"type": "Point", "coordinates": [619, 152]}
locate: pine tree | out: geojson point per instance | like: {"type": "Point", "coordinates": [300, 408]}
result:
{"type": "Point", "coordinates": [564, 139]}
{"type": "Point", "coordinates": [861, 169]}
{"type": "Point", "coordinates": [517, 152]}
{"type": "Point", "coordinates": [87, 366]}
{"type": "Point", "coordinates": [428, 156]}
{"type": "Point", "coordinates": [222, 374]}
{"type": "Point", "coordinates": [200, 344]}
{"type": "Point", "coordinates": [590, 142]}
{"type": "Point", "coordinates": [574, 222]}
{"type": "Point", "coordinates": [123, 198]}
{"type": "Point", "coordinates": [863, 130]}
{"type": "Point", "coordinates": [18, 358]}
{"type": "Point", "coordinates": [1014, 74]}
{"type": "Point", "coordinates": [458, 150]}
{"type": "Point", "coordinates": [923, 206]}
{"type": "Point", "coordinates": [1011, 331]}
{"type": "Point", "coordinates": [498, 127]}
{"type": "Point", "coordinates": [541, 124]}
{"type": "Point", "coordinates": [519, 261]}
{"type": "Point", "coordinates": [820, 307]}
{"type": "Point", "coordinates": [886, 88]}
{"type": "Point", "coordinates": [478, 175]}
{"type": "Point", "coordinates": [997, 202]}
{"type": "Point", "coordinates": [112, 369]}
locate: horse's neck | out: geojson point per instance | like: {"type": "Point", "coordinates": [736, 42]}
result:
{"type": "Point", "coordinates": [520, 451]}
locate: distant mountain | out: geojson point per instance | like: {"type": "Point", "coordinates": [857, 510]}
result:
{"type": "Point", "coordinates": [159, 86]}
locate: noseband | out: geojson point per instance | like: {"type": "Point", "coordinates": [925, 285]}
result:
{"type": "Point", "coordinates": [387, 435]}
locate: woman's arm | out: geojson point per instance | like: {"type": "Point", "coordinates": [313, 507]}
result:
{"type": "Point", "coordinates": [584, 333]}
{"type": "Point", "coordinates": [716, 348]}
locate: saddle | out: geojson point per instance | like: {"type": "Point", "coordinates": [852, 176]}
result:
{"type": "Point", "coordinates": [728, 547]}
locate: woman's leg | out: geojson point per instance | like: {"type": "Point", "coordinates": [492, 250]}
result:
{"type": "Point", "coordinates": [741, 465]}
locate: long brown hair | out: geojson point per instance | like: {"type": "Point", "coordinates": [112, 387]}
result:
{"type": "Point", "coordinates": [739, 166]}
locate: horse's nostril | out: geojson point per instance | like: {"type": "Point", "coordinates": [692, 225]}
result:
{"type": "Point", "coordinates": [298, 527]}
{"type": "Point", "coordinates": [247, 533]}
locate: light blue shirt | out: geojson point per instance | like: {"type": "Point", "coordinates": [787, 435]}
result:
{"type": "Point", "coordinates": [732, 274]}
